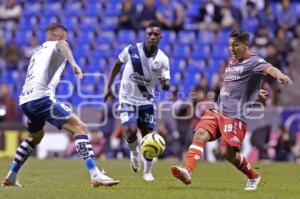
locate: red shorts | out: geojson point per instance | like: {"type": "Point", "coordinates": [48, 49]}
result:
{"type": "Point", "coordinates": [232, 131]}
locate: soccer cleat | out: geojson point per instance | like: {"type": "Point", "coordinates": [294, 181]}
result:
{"type": "Point", "coordinates": [135, 162]}
{"type": "Point", "coordinates": [148, 177]}
{"type": "Point", "coordinates": [103, 180]}
{"type": "Point", "coordinates": [252, 184]}
{"type": "Point", "coordinates": [182, 174]}
{"type": "Point", "coordinates": [7, 183]}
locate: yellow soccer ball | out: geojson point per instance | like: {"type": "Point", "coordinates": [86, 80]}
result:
{"type": "Point", "coordinates": [152, 145]}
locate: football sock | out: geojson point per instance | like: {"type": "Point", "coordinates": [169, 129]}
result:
{"type": "Point", "coordinates": [23, 152]}
{"type": "Point", "coordinates": [85, 151]}
{"type": "Point", "coordinates": [148, 165]}
{"type": "Point", "coordinates": [194, 154]}
{"type": "Point", "coordinates": [133, 147]}
{"type": "Point", "coordinates": [245, 167]}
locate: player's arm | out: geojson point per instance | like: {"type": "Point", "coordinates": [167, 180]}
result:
{"type": "Point", "coordinates": [114, 72]}
{"type": "Point", "coordinates": [262, 95]}
{"type": "Point", "coordinates": [64, 49]}
{"type": "Point", "coordinates": [277, 74]}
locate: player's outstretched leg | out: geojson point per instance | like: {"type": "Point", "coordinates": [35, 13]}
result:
{"type": "Point", "coordinates": [194, 154]}
{"type": "Point", "coordinates": [147, 174]}
{"type": "Point", "coordinates": [85, 151]}
{"type": "Point", "coordinates": [242, 164]}
{"type": "Point", "coordinates": [24, 150]}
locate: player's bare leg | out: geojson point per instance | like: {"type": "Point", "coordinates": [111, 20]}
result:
{"type": "Point", "coordinates": [85, 151]}
{"type": "Point", "coordinates": [194, 154]}
{"type": "Point", "coordinates": [131, 138]}
{"type": "Point", "coordinates": [148, 163]}
{"type": "Point", "coordinates": [23, 152]}
{"type": "Point", "coordinates": [241, 163]}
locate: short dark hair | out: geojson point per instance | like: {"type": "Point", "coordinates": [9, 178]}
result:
{"type": "Point", "coordinates": [54, 26]}
{"type": "Point", "coordinates": [153, 24]}
{"type": "Point", "coordinates": [240, 35]}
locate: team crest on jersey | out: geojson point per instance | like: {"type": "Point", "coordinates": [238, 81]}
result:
{"type": "Point", "coordinates": [155, 66]}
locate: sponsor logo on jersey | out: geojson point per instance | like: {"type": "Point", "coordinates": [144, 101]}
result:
{"type": "Point", "coordinates": [139, 79]}
{"type": "Point", "coordinates": [234, 69]}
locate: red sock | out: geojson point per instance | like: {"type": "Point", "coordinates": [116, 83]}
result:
{"type": "Point", "coordinates": [194, 154]}
{"type": "Point", "coordinates": [245, 167]}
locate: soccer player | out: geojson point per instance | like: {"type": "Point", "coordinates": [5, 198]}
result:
{"type": "Point", "coordinates": [39, 105]}
{"type": "Point", "coordinates": [242, 81]}
{"type": "Point", "coordinates": [145, 64]}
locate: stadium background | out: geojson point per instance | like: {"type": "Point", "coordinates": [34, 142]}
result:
{"type": "Point", "coordinates": [197, 50]}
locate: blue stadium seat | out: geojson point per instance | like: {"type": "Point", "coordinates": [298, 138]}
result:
{"type": "Point", "coordinates": [106, 37]}
{"type": "Point", "coordinates": [88, 24]}
{"type": "Point", "coordinates": [93, 9]}
{"type": "Point", "coordinates": [102, 51]}
{"type": "Point", "coordinates": [112, 9]}
{"type": "Point", "coordinates": [250, 24]}
{"type": "Point", "coordinates": [168, 37]}
{"type": "Point", "coordinates": [73, 9]}
{"type": "Point", "coordinates": [181, 51]}
{"type": "Point", "coordinates": [220, 52]}
{"type": "Point", "coordinates": [186, 37]}
{"type": "Point", "coordinates": [126, 37]}
{"type": "Point", "coordinates": [109, 24]}
{"type": "Point", "coordinates": [204, 37]}
{"type": "Point", "coordinates": [201, 51]}
{"type": "Point", "coordinates": [32, 9]}
{"type": "Point", "coordinates": [199, 64]}
{"type": "Point", "coordinates": [71, 23]}
{"type": "Point", "coordinates": [52, 9]}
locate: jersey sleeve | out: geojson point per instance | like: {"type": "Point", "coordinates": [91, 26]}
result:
{"type": "Point", "coordinates": [260, 65]}
{"type": "Point", "coordinates": [165, 69]}
{"type": "Point", "coordinates": [124, 55]}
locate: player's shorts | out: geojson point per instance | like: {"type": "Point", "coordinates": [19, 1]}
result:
{"type": "Point", "coordinates": [232, 131]}
{"type": "Point", "coordinates": [142, 115]}
{"type": "Point", "coordinates": [44, 109]}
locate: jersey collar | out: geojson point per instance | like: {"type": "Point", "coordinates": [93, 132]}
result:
{"type": "Point", "coordinates": [147, 54]}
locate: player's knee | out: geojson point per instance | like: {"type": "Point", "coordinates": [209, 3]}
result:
{"type": "Point", "coordinates": [202, 135]}
{"type": "Point", "coordinates": [37, 137]}
{"type": "Point", "coordinates": [82, 127]}
{"type": "Point", "coordinates": [227, 153]}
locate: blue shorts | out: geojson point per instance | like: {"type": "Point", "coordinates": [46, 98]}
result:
{"type": "Point", "coordinates": [143, 115]}
{"type": "Point", "coordinates": [44, 109]}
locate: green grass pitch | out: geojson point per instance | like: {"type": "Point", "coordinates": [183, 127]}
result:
{"type": "Point", "coordinates": [68, 179]}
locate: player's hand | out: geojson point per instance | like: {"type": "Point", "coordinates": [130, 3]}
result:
{"type": "Point", "coordinates": [284, 79]}
{"type": "Point", "coordinates": [77, 71]}
{"type": "Point", "coordinates": [164, 83]}
{"type": "Point", "coordinates": [263, 94]}
{"type": "Point", "coordinates": [107, 94]}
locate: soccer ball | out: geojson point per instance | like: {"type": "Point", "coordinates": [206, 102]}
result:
{"type": "Point", "coordinates": [152, 145]}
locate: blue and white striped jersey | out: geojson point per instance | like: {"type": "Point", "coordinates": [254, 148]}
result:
{"type": "Point", "coordinates": [141, 73]}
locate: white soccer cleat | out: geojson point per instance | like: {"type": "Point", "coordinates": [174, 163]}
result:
{"type": "Point", "coordinates": [148, 177]}
{"type": "Point", "coordinates": [103, 180]}
{"type": "Point", "coordinates": [135, 162]}
{"type": "Point", "coordinates": [182, 174]}
{"type": "Point", "coordinates": [7, 183]}
{"type": "Point", "coordinates": [252, 184]}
